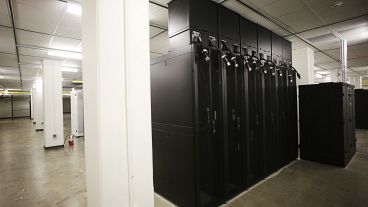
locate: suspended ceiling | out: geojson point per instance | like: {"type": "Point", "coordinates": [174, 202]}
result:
{"type": "Point", "coordinates": [44, 24]}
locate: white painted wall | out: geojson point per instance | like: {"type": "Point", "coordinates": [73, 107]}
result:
{"type": "Point", "coordinates": [117, 105]}
{"type": "Point", "coordinates": [53, 103]}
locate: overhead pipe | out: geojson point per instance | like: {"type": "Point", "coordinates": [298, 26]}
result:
{"type": "Point", "coordinates": [11, 13]}
{"type": "Point", "coordinates": [343, 56]}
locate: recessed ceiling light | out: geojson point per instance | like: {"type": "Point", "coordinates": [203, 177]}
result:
{"type": "Point", "coordinates": [337, 4]}
{"type": "Point", "coordinates": [73, 55]}
{"type": "Point", "coordinates": [74, 8]}
{"type": "Point", "coordinates": [72, 70]}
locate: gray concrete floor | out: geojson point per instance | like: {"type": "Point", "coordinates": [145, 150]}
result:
{"type": "Point", "coordinates": [308, 184]}
{"type": "Point", "coordinates": [31, 176]}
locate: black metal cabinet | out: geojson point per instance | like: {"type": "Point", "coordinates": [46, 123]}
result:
{"type": "Point", "coordinates": [218, 99]}
{"type": "Point", "coordinates": [173, 129]}
{"type": "Point", "coordinates": [228, 25]}
{"type": "Point", "coordinates": [361, 109]}
{"type": "Point", "coordinates": [327, 133]}
{"type": "Point", "coordinates": [187, 144]}
{"type": "Point", "coordinates": [188, 16]}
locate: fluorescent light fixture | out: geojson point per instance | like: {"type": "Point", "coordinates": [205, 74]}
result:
{"type": "Point", "coordinates": [74, 8]}
{"type": "Point", "coordinates": [77, 81]}
{"type": "Point", "coordinates": [317, 75]}
{"type": "Point", "coordinates": [328, 78]}
{"type": "Point", "coordinates": [72, 70]}
{"type": "Point", "coordinates": [73, 55]}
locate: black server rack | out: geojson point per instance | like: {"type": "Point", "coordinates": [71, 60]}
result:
{"type": "Point", "coordinates": [361, 108]}
{"type": "Point", "coordinates": [249, 50]}
{"type": "Point", "coordinates": [215, 105]}
{"type": "Point", "coordinates": [327, 131]}
{"type": "Point", "coordinates": [231, 66]}
{"type": "Point", "coordinates": [269, 100]}
{"type": "Point", "coordinates": [274, 147]}
{"type": "Point", "coordinates": [187, 108]}
{"type": "Point", "coordinates": [291, 104]}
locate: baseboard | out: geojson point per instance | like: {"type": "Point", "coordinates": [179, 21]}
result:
{"type": "Point", "coordinates": [53, 147]}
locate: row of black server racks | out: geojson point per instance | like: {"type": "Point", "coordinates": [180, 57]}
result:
{"type": "Point", "coordinates": [224, 105]}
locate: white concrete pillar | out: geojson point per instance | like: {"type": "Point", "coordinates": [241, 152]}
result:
{"type": "Point", "coordinates": [358, 82]}
{"type": "Point", "coordinates": [303, 61]}
{"type": "Point", "coordinates": [38, 116]}
{"type": "Point", "coordinates": [53, 104]}
{"type": "Point", "coordinates": [76, 107]}
{"type": "Point", "coordinates": [117, 118]}
{"type": "Point", "coordinates": [334, 76]}
{"type": "Point", "coordinates": [32, 103]}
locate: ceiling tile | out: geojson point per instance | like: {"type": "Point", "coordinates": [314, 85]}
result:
{"type": "Point", "coordinates": [8, 60]}
{"type": "Point", "coordinates": [158, 15]}
{"type": "Point", "coordinates": [6, 40]}
{"type": "Point", "coordinates": [320, 58]}
{"type": "Point", "coordinates": [283, 7]}
{"type": "Point", "coordinates": [38, 15]}
{"type": "Point", "coordinates": [70, 26]}
{"type": "Point", "coordinates": [160, 44]}
{"type": "Point", "coordinates": [30, 59]}
{"type": "Point", "coordinates": [33, 39]}
{"type": "Point", "coordinates": [4, 16]}
{"type": "Point", "coordinates": [329, 65]}
{"type": "Point", "coordinates": [349, 9]}
{"type": "Point", "coordinates": [300, 20]}
{"type": "Point", "coordinates": [155, 31]}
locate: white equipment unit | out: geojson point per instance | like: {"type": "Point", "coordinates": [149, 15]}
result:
{"type": "Point", "coordinates": [53, 104]}
{"type": "Point", "coordinates": [77, 115]}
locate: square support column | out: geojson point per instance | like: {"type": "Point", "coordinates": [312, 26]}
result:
{"type": "Point", "coordinates": [303, 61]}
{"type": "Point", "coordinates": [117, 103]}
{"type": "Point", "coordinates": [33, 93]}
{"type": "Point", "coordinates": [38, 115]}
{"type": "Point", "coordinates": [53, 104]}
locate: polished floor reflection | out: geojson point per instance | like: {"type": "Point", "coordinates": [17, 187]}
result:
{"type": "Point", "coordinates": [31, 176]}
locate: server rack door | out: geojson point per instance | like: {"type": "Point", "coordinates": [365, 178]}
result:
{"type": "Point", "coordinates": [293, 116]}
{"type": "Point", "coordinates": [276, 42]}
{"type": "Point", "coordinates": [256, 143]}
{"type": "Point", "coordinates": [274, 122]}
{"type": "Point", "coordinates": [248, 37]}
{"type": "Point", "coordinates": [282, 116]}
{"type": "Point", "coordinates": [233, 156]}
{"type": "Point", "coordinates": [243, 121]}
{"type": "Point", "coordinates": [172, 128]}
{"type": "Point", "coordinates": [228, 31]}
{"type": "Point", "coordinates": [206, 144]}
{"type": "Point", "coordinates": [271, 137]}
{"type": "Point", "coordinates": [219, 127]}
{"type": "Point", "coordinates": [268, 125]}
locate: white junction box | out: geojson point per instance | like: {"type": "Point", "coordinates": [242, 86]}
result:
{"type": "Point", "coordinates": [76, 106]}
